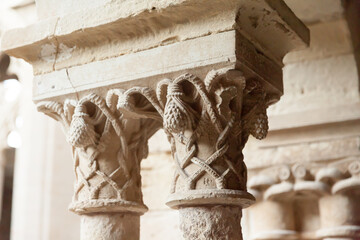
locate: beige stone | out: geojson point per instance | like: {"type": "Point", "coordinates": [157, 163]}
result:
{"type": "Point", "coordinates": [205, 72]}
{"type": "Point", "coordinates": [163, 224]}
{"type": "Point", "coordinates": [125, 38]}
{"type": "Point", "coordinates": [318, 86]}
{"type": "Point", "coordinates": [313, 11]}
{"type": "Point", "coordinates": [310, 201]}
{"type": "Point", "coordinates": [320, 44]}
{"type": "Point", "coordinates": [305, 152]}
{"type": "Point", "coordinates": [110, 226]}
{"type": "Point", "coordinates": [157, 172]}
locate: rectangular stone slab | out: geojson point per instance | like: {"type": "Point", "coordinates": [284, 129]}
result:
{"type": "Point", "coordinates": [124, 41]}
{"type": "Point", "coordinates": [147, 67]}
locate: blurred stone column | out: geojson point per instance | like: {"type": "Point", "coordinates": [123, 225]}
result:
{"type": "Point", "coordinates": [272, 216]}
{"type": "Point", "coordinates": [339, 211]}
{"type": "Point", "coordinates": [287, 203]}
{"type": "Point", "coordinates": [307, 192]}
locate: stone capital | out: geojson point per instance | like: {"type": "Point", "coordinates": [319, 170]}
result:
{"type": "Point", "coordinates": [107, 151]}
{"type": "Point", "coordinates": [205, 71]}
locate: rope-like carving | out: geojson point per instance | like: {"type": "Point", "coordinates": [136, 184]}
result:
{"type": "Point", "coordinates": [107, 149]}
{"type": "Point", "coordinates": [207, 122]}
{"type": "Point", "coordinates": [211, 114]}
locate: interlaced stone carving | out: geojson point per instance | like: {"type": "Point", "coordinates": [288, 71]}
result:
{"type": "Point", "coordinates": [208, 122]}
{"type": "Point", "coordinates": [213, 114]}
{"type": "Point", "coordinates": [107, 150]}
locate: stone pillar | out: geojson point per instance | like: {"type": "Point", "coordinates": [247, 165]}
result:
{"type": "Point", "coordinates": [307, 192]}
{"type": "Point", "coordinates": [272, 216]}
{"type": "Point", "coordinates": [287, 203]}
{"type": "Point", "coordinates": [204, 72]}
{"type": "Point", "coordinates": [208, 123]}
{"type": "Point", "coordinates": [107, 151]}
{"type": "Point", "coordinates": [339, 211]}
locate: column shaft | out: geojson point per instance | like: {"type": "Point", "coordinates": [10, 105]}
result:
{"type": "Point", "coordinates": [211, 222]}
{"type": "Point", "coordinates": [110, 226]}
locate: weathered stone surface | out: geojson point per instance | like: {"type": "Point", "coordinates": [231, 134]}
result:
{"type": "Point", "coordinates": [110, 226]}
{"type": "Point", "coordinates": [306, 152]}
{"type": "Point", "coordinates": [62, 42]}
{"type": "Point", "coordinates": [210, 223]}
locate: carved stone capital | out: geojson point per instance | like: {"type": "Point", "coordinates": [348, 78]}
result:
{"type": "Point", "coordinates": [207, 118]}
{"type": "Point", "coordinates": [208, 123]}
{"type": "Point", "coordinates": [107, 150]}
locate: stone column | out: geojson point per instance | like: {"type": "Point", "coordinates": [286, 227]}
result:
{"type": "Point", "coordinates": [208, 123]}
{"type": "Point", "coordinates": [287, 203]}
{"type": "Point", "coordinates": [107, 151]}
{"type": "Point", "coordinates": [206, 72]}
{"type": "Point", "coordinates": [272, 216]}
{"type": "Point", "coordinates": [307, 192]}
{"type": "Point", "coordinates": [339, 211]}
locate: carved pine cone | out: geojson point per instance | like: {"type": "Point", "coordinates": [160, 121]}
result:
{"type": "Point", "coordinates": [174, 119]}
{"type": "Point", "coordinates": [260, 127]}
{"type": "Point", "coordinates": [81, 133]}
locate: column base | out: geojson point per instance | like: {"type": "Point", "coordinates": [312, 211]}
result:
{"type": "Point", "coordinates": [223, 197]}
{"type": "Point", "coordinates": [215, 222]}
{"type": "Point", "coordinates": [110, 226]}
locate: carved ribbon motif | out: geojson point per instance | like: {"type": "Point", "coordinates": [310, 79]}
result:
{"type": "Point", "coordinates": [207, 121]}
{"type": "Point", "coordinates": [107, 150]}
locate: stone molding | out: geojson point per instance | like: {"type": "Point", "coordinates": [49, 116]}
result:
{"type": "Point", "coordinates": [63, 41]}
{"type": "Point", "coordinates": [318, 178]}
{"type": "Point", "coordinates": [330, 190]}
